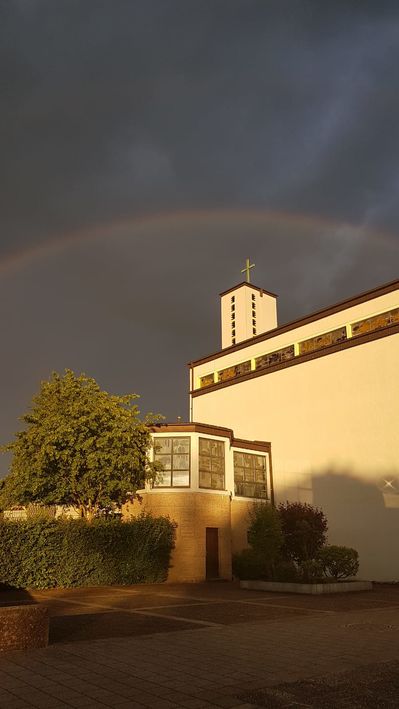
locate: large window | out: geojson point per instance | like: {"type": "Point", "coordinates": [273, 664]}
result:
{"type": "Point", "coordinates": [211, 464]}
{"type": "Point", "coordinates": [174, 454]}
{"type": "Point", "coordinates": [250, 475]}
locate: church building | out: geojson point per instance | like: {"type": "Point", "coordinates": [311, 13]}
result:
{"type": "Point", "coordinates": [306, 411]}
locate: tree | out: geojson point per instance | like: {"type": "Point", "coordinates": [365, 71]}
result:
{"type": "Point", "coordinates": [304, 529]}
{"type": "Point", "coordinates": [81, 446]}
{"type": "Point", "coordinates": [264, 531]}
{"type": "Point", "coordinates": [265, 535]}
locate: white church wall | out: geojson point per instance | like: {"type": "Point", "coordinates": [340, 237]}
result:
{"type": "Point", "coordinates": [333, 425]}
{"type": "Point", "coordinates": [240, 319]}
{"type": "Point", "coordinates": [246, 307]}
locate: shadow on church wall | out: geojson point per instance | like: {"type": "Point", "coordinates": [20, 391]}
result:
{"type": "Point", "coordinates": [361, 514]}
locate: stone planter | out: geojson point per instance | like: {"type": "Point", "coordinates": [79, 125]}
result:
{"type": "Point", "coordinates": [23, 627]}
{"type": "Point", "coordinates": [309, 588]}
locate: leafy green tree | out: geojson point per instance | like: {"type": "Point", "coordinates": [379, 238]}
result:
{"type": "Point", "coordinates": [265, 535]}
{"type": "Point", "coordinates": [80, 446]}
{"type": "Point", "coordinates": [264, 531]}
{"type": "Point", "coordinates": [304, 530]}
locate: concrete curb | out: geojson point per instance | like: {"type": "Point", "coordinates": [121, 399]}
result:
{"type": "Point", "coordinates": [308, 588]}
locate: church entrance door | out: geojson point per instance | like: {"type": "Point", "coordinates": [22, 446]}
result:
{"type": "Point", "coordinates": [212, 553]}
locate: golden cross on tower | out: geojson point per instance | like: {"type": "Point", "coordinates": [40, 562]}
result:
{"type": "Point", "coordinates": [246, 270]}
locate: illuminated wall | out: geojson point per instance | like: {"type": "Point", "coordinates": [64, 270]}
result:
{"type": "Point", "coordinates": [333, 422]}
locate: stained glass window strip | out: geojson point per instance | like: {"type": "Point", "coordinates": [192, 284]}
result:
{"type": "Point", "coordinates": [235, 371]}
{"type": "Point", "coordinates": [211, 464]}
{"type": "Point", "coordinates": [313, 344]}
{"type": "Point", "coordinates": [174, 454]}
{"type": "Point", "coordinates": [250, 475]}
{"type": "Point", "coordinates": [324, 340]}
{"type": "Point", "coordinates": [207, 380]}
{"type": "Point", "coordinates": [276, 357]}
{"type": "Point", "coordinates": [376, 322]}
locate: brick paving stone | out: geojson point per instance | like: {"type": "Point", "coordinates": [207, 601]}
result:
{"type": "Point", "coordinates": [194, 703]}
{"type": "Point", "coordinates": [101, 695]}
{"type": "Point", "coordinates": [11, 684]}
{"type": "Point", "coordinates": [143, 697]}
{"type": "Point", "coordinates": [165, 704]}
{"type": "Point", "coordinates": [39, 699]}
{"type": "Point", "coordinates": [8, 697]}
{"type": "Point", "coordinates": [128, 705]}
{"type": "Point", "coordinates": [197, 692]}
{"type": "Point", "coordinates": [206, 705]}
{"type": "Point", "coordinates": [80, 701]}
{"type": "Point", "coordinates": [93, 704]}
{"type": "Point", "coordinates": [209, 666]}
{"type": "Point", "coordinates": [221, 700]}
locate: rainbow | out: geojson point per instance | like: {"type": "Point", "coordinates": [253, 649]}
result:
{"type": "Point", "coordinates": [25, 256]}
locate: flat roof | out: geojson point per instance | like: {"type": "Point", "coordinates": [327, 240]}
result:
{"type": "Point", "coordinates": [211, 430]}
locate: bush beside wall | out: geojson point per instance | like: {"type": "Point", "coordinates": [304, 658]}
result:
{"type": "Point", "coordinates": [64, 553]}
{"type": "Point", "coordinates": [288, 544]}
{"type": "Point", "coordinates": [339, 562]}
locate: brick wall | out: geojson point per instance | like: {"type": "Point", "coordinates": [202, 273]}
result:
{"type": "Point", "coordinates": [194, 512]}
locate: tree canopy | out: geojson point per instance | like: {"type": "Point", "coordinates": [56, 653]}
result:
{"type": "Point", "coordinates": [80, 446]}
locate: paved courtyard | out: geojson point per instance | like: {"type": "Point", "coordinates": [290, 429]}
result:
{"type": "Point", "coordinates": [207, 645]}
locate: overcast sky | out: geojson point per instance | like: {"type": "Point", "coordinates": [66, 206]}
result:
{"type": "Point", "coordinates": [147, 147]}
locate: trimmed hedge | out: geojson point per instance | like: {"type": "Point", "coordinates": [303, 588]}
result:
{"type": "Point", "coordinates": [63, 553]}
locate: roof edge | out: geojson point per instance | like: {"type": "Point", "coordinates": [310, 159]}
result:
{"type": "Point", "coordinates": [316, 315]}
{"type": "Point", "coordinates": [250, 285]}
{"type": "Point", "coordinates": [206, 428]}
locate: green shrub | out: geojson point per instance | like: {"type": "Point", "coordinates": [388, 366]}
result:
{"type": "Point", "coordinates": [310, 571]}
{"type": "Point", "coordinates": [47, 553]}
{"type": "Point", "coordinates": [249, 565]}
{"type": "Point", "coordinates": [304, 531]}
{"type": "Point", "coordinates": [264, 534]}
{"type": "Point", "coordinates": [37, 513]}
{"type": "Point", "coordinates": [339, 562]}
{"type": "Point", "coordinates": [286, 570]}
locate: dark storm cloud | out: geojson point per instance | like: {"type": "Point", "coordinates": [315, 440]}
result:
{"type": "Point", "coordinates": [117, 108]}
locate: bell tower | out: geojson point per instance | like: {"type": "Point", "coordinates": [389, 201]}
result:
{"type": "Point", "coordinates": [246, 310]}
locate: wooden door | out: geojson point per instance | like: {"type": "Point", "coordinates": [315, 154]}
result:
{"type": "Point", "coordinates": [212, 553]}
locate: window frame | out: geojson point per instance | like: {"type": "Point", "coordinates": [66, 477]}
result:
{"type": "Point", "coordinates": [252, 454]}
{"type": "Point", "coordinates": [156, 486]}
{"type": "Point", "coordinates": [206, 487]}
